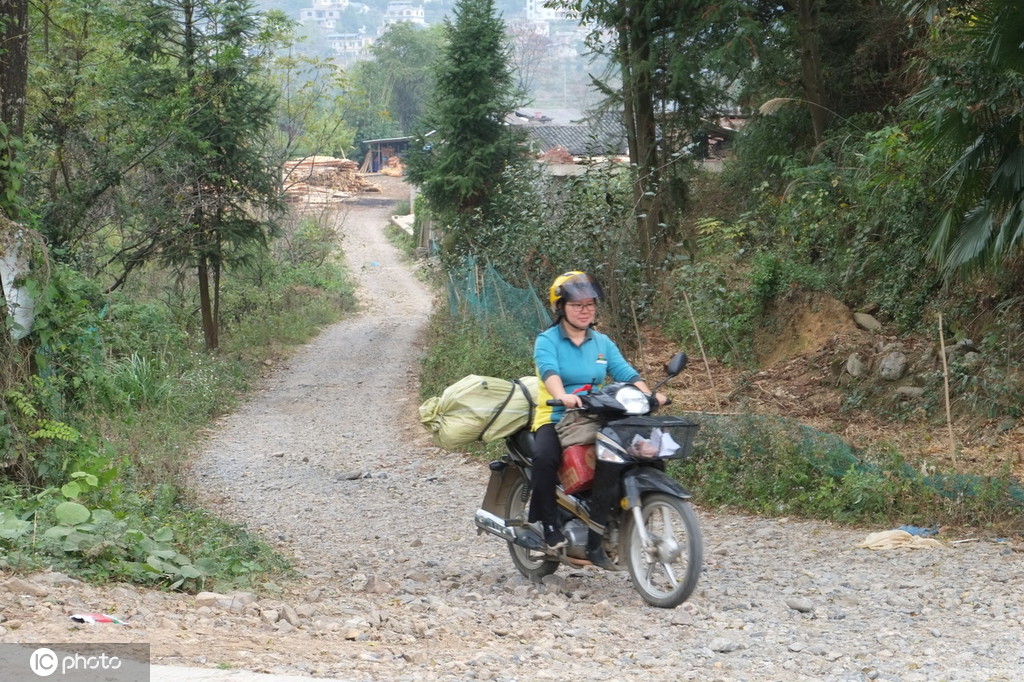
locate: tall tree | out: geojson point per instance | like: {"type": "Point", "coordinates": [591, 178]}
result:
{"type": "Point", "coordinates": [389, 93]}
{"type": "Point", "coordinates": [83, 146]}
{"type": "Point", "coordinates": [835, 59]}
{"type": "Point", "coordinates": [202, 59]}
{"type": "Point", "coordinates": [465, 144]}
{"type": "Point", "coordinates": [673, 61]}
{"type": "Point", "coordinates": [530, 49]}
{"type": "Point", "coordinates": [809, 39]}
{"type": "Point", "coordinates": [310, 98]}
{"type": "Point", "coordinates": [402, 58]}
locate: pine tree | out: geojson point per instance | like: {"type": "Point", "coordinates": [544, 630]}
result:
{"type": "Point", "coordinates": [465, 144]}
{"type": "Point", "coordinates": [199, 58]}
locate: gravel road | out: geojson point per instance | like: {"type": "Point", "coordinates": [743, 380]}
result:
{"type": "Point", "coordinates": [329, 462]}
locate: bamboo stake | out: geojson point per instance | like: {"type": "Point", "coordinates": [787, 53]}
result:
{"type": "Point", "coordinates": [945, 386]}
{"type": "Point", "coordinates": [700, 344]}
{"type": "Point", "coordinates": [639, 339]}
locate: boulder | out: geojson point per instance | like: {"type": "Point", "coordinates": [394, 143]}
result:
{"type": "Point", "coordinates": [893, 366]}
{"type": "Point", "coordinates": [867, 322]}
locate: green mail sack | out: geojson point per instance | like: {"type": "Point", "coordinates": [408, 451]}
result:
{"type": "Point", "coordinates": [477, 408]}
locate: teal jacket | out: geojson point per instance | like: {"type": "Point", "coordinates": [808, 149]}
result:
{"type": "Point", "coordinates": [592, 362]}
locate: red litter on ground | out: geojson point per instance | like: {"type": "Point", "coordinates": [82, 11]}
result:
{"type": "Point", "coordinates": [95, 618]}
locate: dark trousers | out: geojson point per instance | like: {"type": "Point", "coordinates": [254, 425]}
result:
{"type": "Point", "coordinates": [547, 458]}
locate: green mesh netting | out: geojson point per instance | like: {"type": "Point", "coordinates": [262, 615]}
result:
{"type": "Point", "coordinates": [479, 290]}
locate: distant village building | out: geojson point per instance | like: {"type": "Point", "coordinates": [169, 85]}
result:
{"type": "Point", "coordinates": [403, 10]}
{"type": "Point", "coordinates": [350, 45]}
{"type": "Point", "coordinates": [536, 11]}
{"type": "Point", "coordinates": [567, 140]}
{"type": "Point", "coordinates": [331, 16]}
{"type": "Point", "coordinates": [324, 13]}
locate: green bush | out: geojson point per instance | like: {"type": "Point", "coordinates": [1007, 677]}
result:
{"type": "Point", "coordinates": [856, 222]}
{"type": "Point", "coordinates": [775, 466]}
{"type": "Point", "coordinates": [93, 443]}
{"type": "Point", "coordinates": [157, 539]}
{"type": "Point", "coordinates": [461, 345]}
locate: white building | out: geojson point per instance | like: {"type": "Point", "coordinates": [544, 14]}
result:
{"type": "Point", "coordinates": [324, 13]}
{"type": "Point", "coordinates": [403, 10]}
{"type": "Point", "coordinates": [349, 44]}
{"type": "Point", "coordinates": [536, 11]}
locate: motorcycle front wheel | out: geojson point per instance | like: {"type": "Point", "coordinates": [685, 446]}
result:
{"type": "Point", "coordinates": [664, 572]}
{"type": "Point", "coordinates": [532, 564]}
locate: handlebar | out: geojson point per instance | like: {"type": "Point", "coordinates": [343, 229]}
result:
{"type": "Point", "coordinates": [558, 403]}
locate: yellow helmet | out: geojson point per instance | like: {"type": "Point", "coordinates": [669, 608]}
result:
{"type": "Point", "coordinates": [573, 286]}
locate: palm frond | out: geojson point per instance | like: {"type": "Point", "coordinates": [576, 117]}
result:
{"type": "Point", "coordinates": [972, 240]}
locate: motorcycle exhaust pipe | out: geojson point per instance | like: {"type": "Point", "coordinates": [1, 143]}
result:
{"type": "Point", "coordinates": [519, 535]}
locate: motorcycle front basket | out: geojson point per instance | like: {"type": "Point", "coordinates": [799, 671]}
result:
{"type": "Point", "coordinates": [640, 439]}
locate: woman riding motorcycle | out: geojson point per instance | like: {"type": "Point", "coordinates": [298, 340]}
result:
{"type": "Point", "coordinates": [570, 355]}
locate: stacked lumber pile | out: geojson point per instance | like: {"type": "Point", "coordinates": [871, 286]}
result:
{"type": "Point", "coordinates": [393, 167]}
{"type": "Point", "coordinates": [323, 179]}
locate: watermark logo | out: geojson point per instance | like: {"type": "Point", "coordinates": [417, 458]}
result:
{"type": "Point", "coordinates": [80, 662]}
{"type": "Point", "coordinates": [43, 662]}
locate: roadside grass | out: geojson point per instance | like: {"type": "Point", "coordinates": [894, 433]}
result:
{"type": "Point", "coordinates": [402, 240]}
{"type": "Point", "coordinates": [776, 466]}
{"type": "Point", "coordinates": [106, 494]}
{"type": "Point", "coordinates": [459, 344]}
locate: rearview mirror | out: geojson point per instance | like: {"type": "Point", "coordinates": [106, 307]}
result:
{"type": "Point", "coordinates": [677, 364]}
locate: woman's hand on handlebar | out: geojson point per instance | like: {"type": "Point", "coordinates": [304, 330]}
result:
{"type": "Point", "coordinates": [570, 401]}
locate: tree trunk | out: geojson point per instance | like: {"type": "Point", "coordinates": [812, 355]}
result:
{"type": "Point", "coordinates": [13, 64]}
{"type": "Point", "coordinates": [634, 55]}
{"type": "Point", "coordinates": [205, 305]}
{"type": "Point", "coordinates": [13, 81]}
{"type": "Point", "coordinates": [810, 66]}
{"type": "Point", "coordinates": [216, 302]}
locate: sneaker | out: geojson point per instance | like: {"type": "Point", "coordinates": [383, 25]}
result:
{"type": "Point", "coordinates": [553, 537]}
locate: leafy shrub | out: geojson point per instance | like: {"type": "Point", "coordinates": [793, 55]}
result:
{"type": "Point", "coordinates": [460, 345]}
{"type": "Point", "coordinates": [306, 241]}
{"type": "Point", "coordinates": [722, 311]}
{"type": "Point", "coordinates": [146, 328]}
{"type": "Point", "coordinates": [730, 303]}
{"type": "Point", "coordinates": [119, 396]}
{"type": "Point", "coordinates": [775, 466]}
{"type": "Point", "coordinates": [74, 530]}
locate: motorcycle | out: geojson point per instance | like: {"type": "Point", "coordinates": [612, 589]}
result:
{"type": "Point", "coordinates": [650, 527]}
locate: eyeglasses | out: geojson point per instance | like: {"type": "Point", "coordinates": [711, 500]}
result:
{"type": "Point", "coordinates": [582, 307]}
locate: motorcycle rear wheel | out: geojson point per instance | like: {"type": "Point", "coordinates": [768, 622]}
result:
{"type": "Point", "coordinates": [666, 572]}
{"type": "Point", "coordinates": [534, 565]}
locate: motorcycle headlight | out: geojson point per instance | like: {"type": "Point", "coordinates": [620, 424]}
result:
{"type": "Point", "coordinates": [633, 399]}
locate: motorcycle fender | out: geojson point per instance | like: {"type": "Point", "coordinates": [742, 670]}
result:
{"type": "Point", "coordinates": [642, 480]}
{"type": "Point", "coordinates": [499, 485]}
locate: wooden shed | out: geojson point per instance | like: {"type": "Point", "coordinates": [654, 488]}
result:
{"type": "Point", "coordinates": [378, 152]}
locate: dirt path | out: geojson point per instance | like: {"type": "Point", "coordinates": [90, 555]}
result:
{"type": "Point", "coordinates": [328, 462]}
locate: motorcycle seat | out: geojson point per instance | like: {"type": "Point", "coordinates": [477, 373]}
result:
{"type": "Point", "coordinates": [523, 442]}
